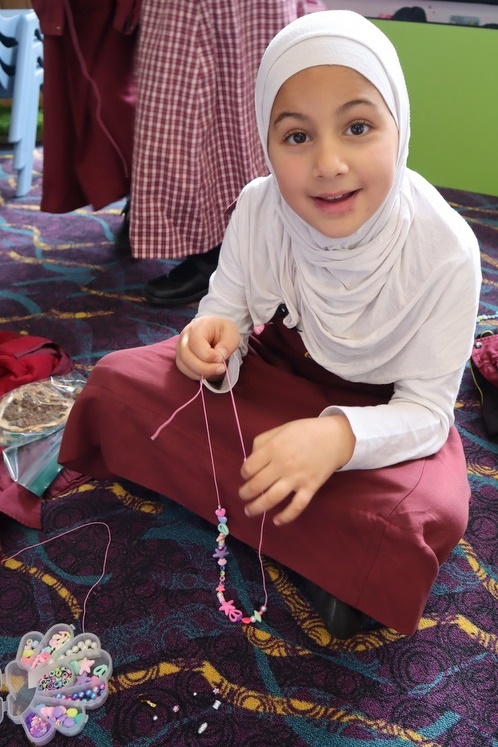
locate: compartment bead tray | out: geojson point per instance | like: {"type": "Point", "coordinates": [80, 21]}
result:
{"type": "Point", "coordinates": [53, 681]}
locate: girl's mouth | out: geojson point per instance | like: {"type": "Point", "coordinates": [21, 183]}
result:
{"type": "Point", "coordinates": [337, 204]}
{"type": "Point", "coordinates": [336, 198]}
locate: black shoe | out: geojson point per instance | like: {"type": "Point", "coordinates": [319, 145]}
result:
{"type": "Point", "coordinates": [341, 620]}
{"type": "Point", "coordinates": [186, 283]}
{"type": "Point", "coordinates": [122, 240]}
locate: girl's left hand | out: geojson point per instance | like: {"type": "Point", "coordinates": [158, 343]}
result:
{"type": "Point", "coordinates": [294, 458]}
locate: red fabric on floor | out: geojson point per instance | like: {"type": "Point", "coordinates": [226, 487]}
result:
{"type": "Point", "coordinates": [18, 502]}
{"type": "Point", "coordinates": [24, 358]}
{"type": "Point", "coordinates": [21, 504]}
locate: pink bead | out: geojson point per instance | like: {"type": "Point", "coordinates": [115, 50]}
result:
{"type": "Point", "coordinates": [233, 614]}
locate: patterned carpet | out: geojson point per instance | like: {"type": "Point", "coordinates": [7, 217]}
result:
{"type": "Point", "coordinates": [183, 675]}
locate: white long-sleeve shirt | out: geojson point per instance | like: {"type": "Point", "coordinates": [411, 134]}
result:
{"type": "Point", "coordinates": [416, 421]}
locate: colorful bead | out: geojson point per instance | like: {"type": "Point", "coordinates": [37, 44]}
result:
{"type": "Point", "coordinates": [485, 317]}
{"type": "Point", "coordinates": [227, 606]}
{"type": "Point", "coordinates": [37, 727]}
{"type": "Point", "coordinates": [220, 552]}
{"type": "Point", "coordinates": [86, 665]}
{"type": "Point", "coordinates": [56, 679]}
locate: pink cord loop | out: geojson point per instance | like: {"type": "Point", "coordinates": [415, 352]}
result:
{"type": "Point", "coordinates": [228, 607]}
{"type": "Point", "coordinates": [69, 531]}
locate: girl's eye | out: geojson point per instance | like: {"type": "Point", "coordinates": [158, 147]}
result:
{"type": "Point", "coordinates": [296, 138]}
{"type": "Point", "coordinates": [358, 128]}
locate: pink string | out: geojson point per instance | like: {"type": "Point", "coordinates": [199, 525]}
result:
{"type": "Point", "coordinates": [168, 421]}
{"type": "Point", "coordinates": [211, 454]}
{"type": "Point", "coordinates": [69, 531]}
{"type": "Point", "coordinates": [239, 429]}
{"type": "Point", "coordinates": [208, 434]}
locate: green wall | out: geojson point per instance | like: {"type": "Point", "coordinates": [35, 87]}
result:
{"type": "Point", "coordinates": [452, 78]}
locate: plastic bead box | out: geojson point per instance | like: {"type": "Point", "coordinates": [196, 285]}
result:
{"type": "Point", "coordinates": [54, 679]}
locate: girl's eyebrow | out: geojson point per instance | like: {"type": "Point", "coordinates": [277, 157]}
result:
{"type": "Point", "coordinates": [291, 115]}
{"type": "Point", "coordinates": [355, 102]}
{"type": "Point", "coordinates": [340, 110]}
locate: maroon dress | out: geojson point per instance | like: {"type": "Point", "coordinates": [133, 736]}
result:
{"type": "Point", "coordinates": [373, 538]}
{"type": "Point", "coordinates": [89, 101]}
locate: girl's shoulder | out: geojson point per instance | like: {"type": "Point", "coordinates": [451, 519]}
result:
{"type": "Point", "coordinates": [256, 190]}
{"type": "Point", "coordinates": [253, 202]}
{"type": "Point", "coordinates": [437, 220]}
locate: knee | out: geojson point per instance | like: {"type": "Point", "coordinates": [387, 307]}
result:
{"type": "Point", "coordinates": [437, 510]}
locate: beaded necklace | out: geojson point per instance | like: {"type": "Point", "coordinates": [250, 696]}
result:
{"type": "Point", "coordinates": [485, 317]}
{"type": "Point", "coordinates": [221, 552]}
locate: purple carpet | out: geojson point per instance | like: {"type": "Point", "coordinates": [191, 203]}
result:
{"type": "Point", "coordinates": [182, 674]}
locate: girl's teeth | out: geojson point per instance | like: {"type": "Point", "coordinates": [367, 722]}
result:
{"type": "Point", "coordinates": [333, 199]}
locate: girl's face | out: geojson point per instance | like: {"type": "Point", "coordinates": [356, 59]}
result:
{"type": "Point", "coordinates": [332, 143]}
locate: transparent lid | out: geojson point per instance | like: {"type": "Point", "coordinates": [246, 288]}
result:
{"type": "Point", "coordinates": [54, 680]}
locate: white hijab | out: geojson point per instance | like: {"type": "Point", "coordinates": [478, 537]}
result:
{"type": "Point", "coordinates": [357, 301]}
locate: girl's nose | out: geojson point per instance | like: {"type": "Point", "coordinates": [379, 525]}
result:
{"type": "Point", "coordinates": [330, 159]}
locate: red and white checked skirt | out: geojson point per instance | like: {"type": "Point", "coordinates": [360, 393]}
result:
{"type": "Point", "coordinates": [196, 143]}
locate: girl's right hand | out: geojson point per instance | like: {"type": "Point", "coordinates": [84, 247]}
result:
{"type": "Point", "coordinates": [204, 345]}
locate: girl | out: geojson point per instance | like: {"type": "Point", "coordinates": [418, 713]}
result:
{"type": "Point", "coordinates": [349, 288]}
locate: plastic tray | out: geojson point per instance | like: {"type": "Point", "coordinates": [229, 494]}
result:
{"type": "Point", "coordinates": [54, 679]}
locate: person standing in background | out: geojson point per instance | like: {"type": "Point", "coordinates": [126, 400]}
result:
{"type": "Point", "coordinates": [196, 142]}
{"type": "Point", "coordinates": [89, 100]}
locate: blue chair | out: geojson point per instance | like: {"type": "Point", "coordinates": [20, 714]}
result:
{"type": "Point", "coordinates": [21, 78]}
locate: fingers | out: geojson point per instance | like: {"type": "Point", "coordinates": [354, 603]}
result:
{"type": "Point", "coordinates": [274, 496]}
{"type": "Point", "coordinates": [196, 358]}
{"type": "Point", "coordinates": [267, 485]}
{"type": "Point", "coordinates": [291, 462]}
{"type": "Point", "coordinates": [204, 345]}
{"type": "Point", "coordinates": [295, 508]}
